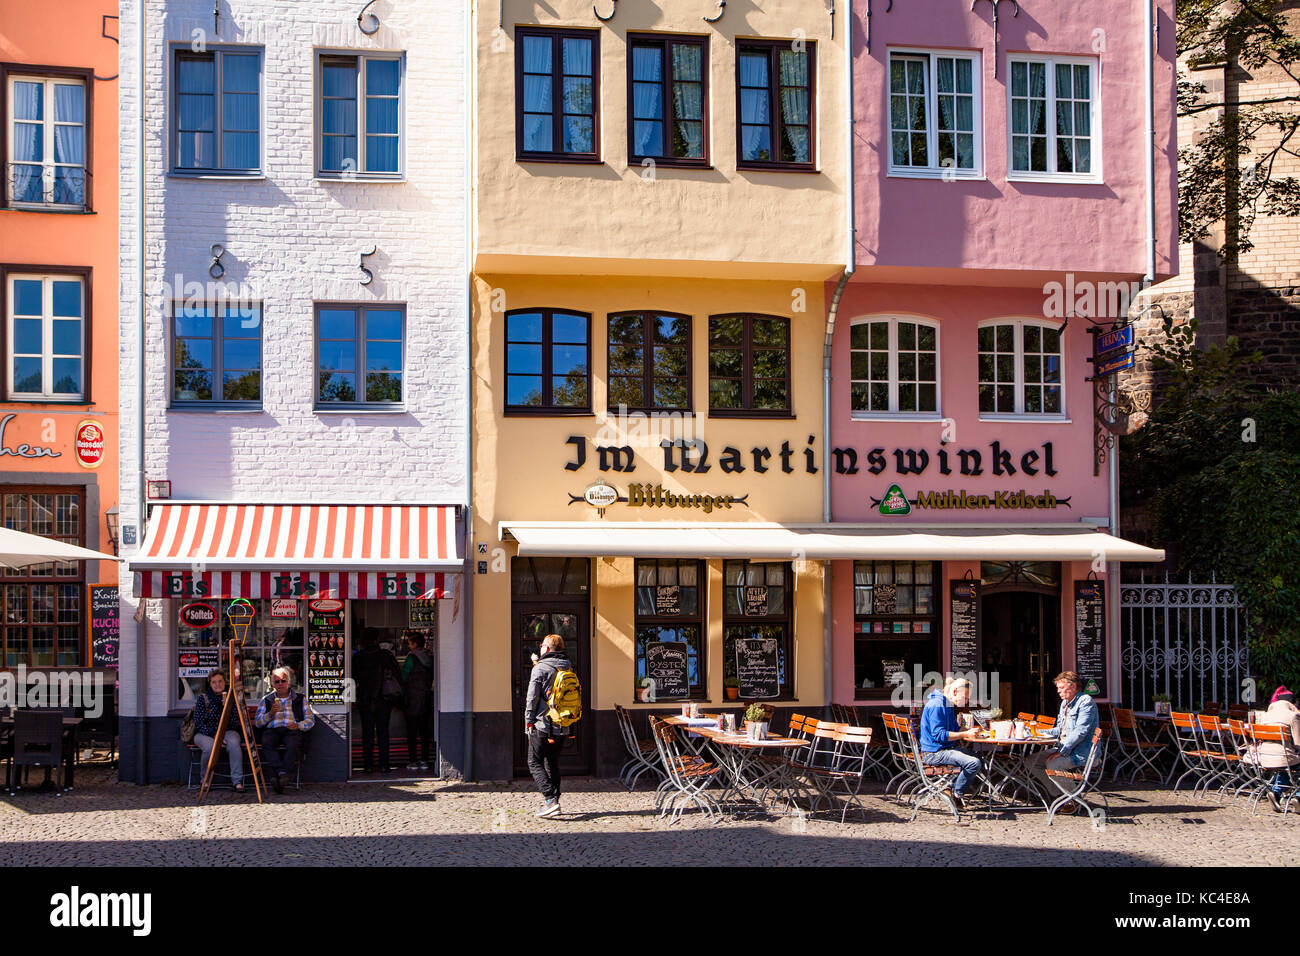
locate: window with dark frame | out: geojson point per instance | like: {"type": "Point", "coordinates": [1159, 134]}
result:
{"type": "Point", "coordinates": [740, 581]}
{"type": "Point", "coordinates": [649, 361]}
{"type": "Point", "coordinates": [217, 111]}
{"type": "Point", "coordinates": [47, 332]}
{"type": "Point", "coordinates": [667, 93]}
{"type": "Point", "coordinates": [44, 605]}
{"type": "Point", "coordinates": [359, 354]}
{"type": "Point", "coordinates": [216, 354]}
{"type": "Point", "coordinates": [360, 99]}
{"type": "Point", "coordinates": [47, 122]}
{"type": "Point", "coordinates": [774, 102]}
{"type": "Point", "coordinates": [749, 364]}
{"type": "Point", "coordinates": [670, 608]}
{"type": "Point", "coordinates": [557, 92]}
{"type": "Point", "coordinates": [548, 360]}
{"type": "Point", "coordinates": [895, 623]}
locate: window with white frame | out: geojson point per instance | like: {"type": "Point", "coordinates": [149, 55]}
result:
{"type": "Point", "coordinates": [217, 117]}
{"type": "Point", "coordinates": [47, 337]}
{"type": "Point", "coordinates": [895, 366]}
{"type": "Point", "coordinates": [933, 110]}
{"type": "Point", "coordinates": [360, 116]}
{"type": "Point", "coordinates": [1020, 364]}
{"type": "Point", "coordinates": [1053, 118]}
{"type": "Point", "coordinates": [46, 165]}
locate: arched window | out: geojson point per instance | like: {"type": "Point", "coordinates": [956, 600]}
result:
{"type": "Point", "coordinates": [1020, 367]}
{"type": "Point", "coordinates": [895, 366]}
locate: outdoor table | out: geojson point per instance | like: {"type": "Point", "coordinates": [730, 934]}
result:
{"type": "Point", "coordinates": [1017, 771]}
{"type": "Point", "coordinates": [70, 725]}
{"type": "Point", "coordinates": [740, 759]}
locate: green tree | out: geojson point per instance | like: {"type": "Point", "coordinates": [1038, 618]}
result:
{"type": "Point", "coordinates": [1225, 176]}
{"type": "Point", "coordinates": [1222, 463]}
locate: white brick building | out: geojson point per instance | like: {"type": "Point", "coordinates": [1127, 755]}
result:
{"type": "Point", "coordinates": [269, 132]}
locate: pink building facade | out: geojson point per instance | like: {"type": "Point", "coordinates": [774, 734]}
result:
{"type": "Point", "coordinates": [1004, 212]}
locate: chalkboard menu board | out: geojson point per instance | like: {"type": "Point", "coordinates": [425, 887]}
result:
{"type": "Point", "coordinates": [964, 620]}
{"type": "Point", "coordinates": [422, 613]}
{"type": "Point", "coordinates": [757, 668]}
{"type": "Point", "coordinates": [885, 600]}
{"type": "Point", "coordinates": [325, 667]}
{"type": "Point", "coordinates": [667, 663]}
{"type": "Point", "coordinates": [1090, 635]}
{"type": "Point", "coordinates": [104, 626]}
{"type": "Point", "coordinates": [755, 601]}
{"type": "Point", "coordinates": [668, 599]}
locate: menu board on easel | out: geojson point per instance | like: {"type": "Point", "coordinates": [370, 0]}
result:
{"type": "Point", "coordinates": [1090, 636]}
{"type": "Point", "coordinates": [104, 624]}
{"type": "Point", "coordinates": [325, 649]}
{"type": "Point", "coordinates": [964, 623]}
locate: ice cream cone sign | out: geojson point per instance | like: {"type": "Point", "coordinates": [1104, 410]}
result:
{"type": "Point", "coordinates": [240, 612]}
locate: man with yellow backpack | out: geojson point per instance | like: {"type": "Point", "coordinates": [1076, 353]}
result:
{"type": "Point", "coordinates": [554, 705]}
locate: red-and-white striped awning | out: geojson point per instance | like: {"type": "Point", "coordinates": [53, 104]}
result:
{"type": "Point", "coordinates": [261, 551]}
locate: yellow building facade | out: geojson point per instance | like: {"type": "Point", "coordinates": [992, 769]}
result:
{"type": "Point", "coordinates": [659, 203]}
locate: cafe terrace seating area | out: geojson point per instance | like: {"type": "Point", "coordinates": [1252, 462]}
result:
{"type": "Point", "coordinates": [857, 764]}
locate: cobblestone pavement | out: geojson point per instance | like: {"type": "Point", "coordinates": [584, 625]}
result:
{"type": "Point", "coordinates": [107, 822]}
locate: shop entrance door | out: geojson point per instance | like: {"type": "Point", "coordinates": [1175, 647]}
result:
{"type": "Point", "coordinates": [532, 622]}
{"type": "Point", "coordinates": [1022, 642]}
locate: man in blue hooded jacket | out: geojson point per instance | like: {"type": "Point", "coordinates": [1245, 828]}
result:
{"type": "Point", "coordinates": [940, 732]}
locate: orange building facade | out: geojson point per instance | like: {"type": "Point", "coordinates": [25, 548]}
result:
{"type": "Point", "coordinates": [59, 293]}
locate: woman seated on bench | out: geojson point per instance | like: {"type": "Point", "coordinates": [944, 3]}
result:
{"type": "Point", "coordinates": [207, 715]}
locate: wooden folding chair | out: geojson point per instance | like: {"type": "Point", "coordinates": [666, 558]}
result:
{"type": "Point", "coordinates": [1074, 784]}
{"type": "Point", "coordinates": [1192, 755]}
{"type": "Point", "coordinates": [932, 781]}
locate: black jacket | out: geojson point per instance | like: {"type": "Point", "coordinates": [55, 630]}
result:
{"type": "Point", "coordinates": [368, 668]}
{"type": "Point", "coordinates": [540, 683]}
{"type": "Point", "coordinates": [418, 690]}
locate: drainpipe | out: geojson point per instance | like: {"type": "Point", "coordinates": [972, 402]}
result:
{"type": "Point", "coordinates": [468, 575]}
{"type": "Point", "coordinates": [850, 266]}
{"type": "Point", "coordinates": [142, 628]}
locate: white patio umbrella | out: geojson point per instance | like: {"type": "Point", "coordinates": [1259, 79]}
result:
{"type": "Point", "coordinates": [20, 550]}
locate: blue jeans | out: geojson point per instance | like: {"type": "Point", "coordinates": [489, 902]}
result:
{"type": "Point", "coordinates": [1281, 781]}
{"type": "Point", "coordinates": [971, 766]}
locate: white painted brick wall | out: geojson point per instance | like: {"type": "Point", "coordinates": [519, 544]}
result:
{"type": "Point", "coordinates": [293, 241]}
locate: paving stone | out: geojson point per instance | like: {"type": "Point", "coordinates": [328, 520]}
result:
{"type": "Point", "coordinates": [105, 822]}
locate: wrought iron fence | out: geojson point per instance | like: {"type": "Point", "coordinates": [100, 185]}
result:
{"type": "Point", "coordinates": [1187, 640]}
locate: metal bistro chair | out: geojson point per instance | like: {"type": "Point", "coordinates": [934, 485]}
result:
{"type": "Point", "coordinates": [684, 776]}
{"type": "Point", "coordinates": [1192, 755]}
{"type": "Point", "coordinates": [1221, 754]}
{"type": "Point", "coordinates": [643, 755]}
{"type": "Point", "coordinates": [852, 763]}
{"type": "Point", "coordinates": [1242, 741]}
{"type": "Point", "coordinates": [1133, 749]}
{"type": "Point", "coordinates": [1239, 712]}
{"type": "Point", "coordinates": [38, 742]}
{"type": "Point", "coordinates": [906, 775]}
{"type": "Point", "coordinates": [1073, 784]}
{"type": "Point", "coordinates": [1279, 734]}
{"type": "Point", "coordinates": [932, 781]}
{"type": "Point", "coordinates": [818, 762]}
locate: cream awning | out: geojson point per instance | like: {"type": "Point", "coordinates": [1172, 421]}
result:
{"type": "Point", "coordinates": [821, 542]}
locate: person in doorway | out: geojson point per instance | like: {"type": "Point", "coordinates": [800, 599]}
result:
{"type": "Point", "coordinates": [286, 717]}
{"type": "Point", "coordinates": [940, 732]}
{"type": "Point", "coordinates": [1075, 724]}
{"type": "Point", "coordinates": [370, 667]}
{"type": "Point", "coordinates": [545, 739]}
{"type": "Point", "coordinates": [417, 689]}
{"type": "Point", "coordinates": [207, 715]}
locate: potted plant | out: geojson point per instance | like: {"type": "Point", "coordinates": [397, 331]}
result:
{"type": "Point", "coordinates": [756, 721]}
{"type": "Point", "coordinates": [645, 689]}
{"type": "Point", "coordinates": [1163, 704]}
{"type": "Point", "coordinates": [731, 687]}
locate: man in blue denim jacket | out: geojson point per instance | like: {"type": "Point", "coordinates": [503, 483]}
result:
{"type": "Point", "coordinates": [940, 733]}
{"type": "Point", "coordinates": [1074, 727]}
